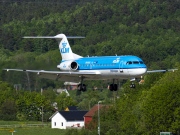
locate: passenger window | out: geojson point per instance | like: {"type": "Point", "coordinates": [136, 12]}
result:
{"type": "Point", "coordinates": [135, 62]}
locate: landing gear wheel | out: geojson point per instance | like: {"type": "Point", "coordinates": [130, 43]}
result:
{"type": "Point", "coordinates": [113, 87]}
{"type": "Point", "coordinates": [82, 87]}
{"type": "Point", "coordinates": [132, 85]}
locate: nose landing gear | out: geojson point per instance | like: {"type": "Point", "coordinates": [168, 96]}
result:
{"type": "Point", "coordinates": [132, 85]}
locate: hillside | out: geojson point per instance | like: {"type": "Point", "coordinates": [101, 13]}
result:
{"type": "Point", "coordinates": [109, 27]}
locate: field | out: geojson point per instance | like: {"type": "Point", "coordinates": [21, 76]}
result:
{"type": "Point", "coordinates": [27, 128]}
{"type": "Point", "coordinates": [32, 131]}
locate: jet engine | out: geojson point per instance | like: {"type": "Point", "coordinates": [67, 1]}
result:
{"type": "Point", "coordinates": [68, 65]}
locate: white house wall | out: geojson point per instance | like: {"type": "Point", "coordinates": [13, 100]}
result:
{"type": "Point", "coordinates": [58, 121]}
{"type": "Point", "coordinates": [74, 123]}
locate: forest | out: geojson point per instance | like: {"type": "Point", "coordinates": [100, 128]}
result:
{"type": "Point", "coordinates": [148, 29]}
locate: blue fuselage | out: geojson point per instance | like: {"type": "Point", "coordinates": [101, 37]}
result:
{"type": "Point", "coordinates": [107, 66]}
{"type": "Point", "coordinates": [110, 62]}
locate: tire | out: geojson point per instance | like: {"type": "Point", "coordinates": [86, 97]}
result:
{"type": "Point", "coordinates": [111, 88]}
{"type": "Point", "coordinates": [115, 87]}
{"type": "Point", "coordinates": [81, 87]}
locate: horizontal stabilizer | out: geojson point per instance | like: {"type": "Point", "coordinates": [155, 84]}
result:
{"type": "Point", "coordinates": [64, 46]}
{"type": "Point", "coordinates": [54, 37]}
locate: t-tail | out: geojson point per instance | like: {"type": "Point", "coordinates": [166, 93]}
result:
{"type": "Point", "coordinates": [64, 47]}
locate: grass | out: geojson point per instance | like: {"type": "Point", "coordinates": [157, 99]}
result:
{"type": "Point", "coordinates": [20, 122]}
{"type": "Point", "coordinates": [28, 130]}
{"type": "Point", "coordinates": [32, 131]}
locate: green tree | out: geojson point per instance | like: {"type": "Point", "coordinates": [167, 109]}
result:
{"type": "Point", "coordinates": [64, 101]}
{"type": "Point", "coordinates": [161, 104]}
{"type": "Point", "coordinates": [8, 110]}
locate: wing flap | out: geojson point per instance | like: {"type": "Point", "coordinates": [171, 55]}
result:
{"type": "Point", "coordinates": [54, 72]}
{"type": "Point", "coordinates": [59, 75]}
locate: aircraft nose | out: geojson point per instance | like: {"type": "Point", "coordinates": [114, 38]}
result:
{"type": "Point", "coordinates": [144, 70]}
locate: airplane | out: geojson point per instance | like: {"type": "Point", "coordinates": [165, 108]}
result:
{"type": "Point", "coordinates": [75, 68]}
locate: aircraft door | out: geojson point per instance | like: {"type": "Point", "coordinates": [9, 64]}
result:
{"type": "Point", "coordinates": [121, 66]}
{"type": "Point", "coordinates": [91, 66]}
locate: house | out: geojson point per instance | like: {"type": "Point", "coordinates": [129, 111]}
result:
{"type": "Point", "coordinates": [89, 115]}
{"type": "Point", "coordinates": [67, 119]}
{"type": "Point", "coordinates": [71, 85]}
{"type": "Point", "coordinates": [63, 90]}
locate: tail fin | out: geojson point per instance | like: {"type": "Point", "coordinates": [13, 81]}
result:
{"type": "Point", "coordinates": [64, 46]}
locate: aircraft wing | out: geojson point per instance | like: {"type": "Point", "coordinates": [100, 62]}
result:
{"type": "Point", "coordinates": [61, 75]}
{"type": "Point", "coordinates": [161, 71]}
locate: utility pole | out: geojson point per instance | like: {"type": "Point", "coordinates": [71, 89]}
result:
{"type": "Point", "coordinates": [99, 132]}
{"type": "Point", "coordinates": [42, 114]}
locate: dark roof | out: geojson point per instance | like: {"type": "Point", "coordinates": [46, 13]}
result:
{"type": "Point", "coordinates": [93, 110]}
{"type": "Point", "coordinates": [72, 108]}
{"type": "Point", "coordinates": [73, 115]}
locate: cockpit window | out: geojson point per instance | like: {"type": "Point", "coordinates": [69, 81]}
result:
{"type": "Point", "coordinates": [129, 62]}
{"type": "Point", "coordinates": [134, 62]}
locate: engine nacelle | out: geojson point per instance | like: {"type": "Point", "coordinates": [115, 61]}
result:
{"type": "Point", "coordinates": [68, 65]}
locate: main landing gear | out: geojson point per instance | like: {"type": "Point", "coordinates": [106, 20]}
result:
{"type": "Point", "coordinates": [113, 86]}
{"type": "Point", "coordinates": [81, 86]}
